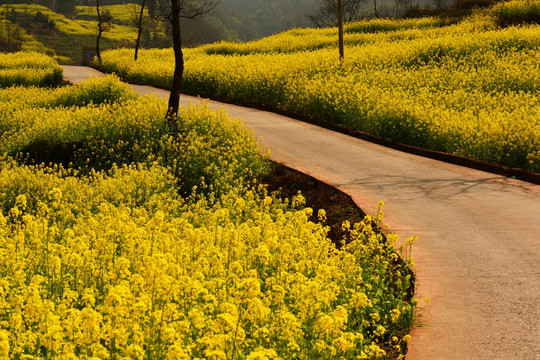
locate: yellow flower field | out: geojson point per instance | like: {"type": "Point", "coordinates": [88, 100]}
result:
{"type": "Point", "coordinates": [28, 68]}
{"type": "Point", "coordinates": [122, 240]}
{"type": "Point", "coordinates": [70, 27]}
{"type": "Point", "coordinates": [469, 89]}
{"type": "Point", "coordinates": [65, 37]}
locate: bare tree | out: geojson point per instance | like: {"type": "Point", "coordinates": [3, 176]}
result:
{"type": "Point", "coordinates": [329, 10]}
{"type": "Point", "coordinates": [340, 30]}
{"type": "Point", "coordinates": [104, 24]}
{"type": "Point", "coordinates": [173, 11]}
{"type": "Point", "coordinates": [139, 28]}
{"type": "Point", "coordinates": [375, 11]}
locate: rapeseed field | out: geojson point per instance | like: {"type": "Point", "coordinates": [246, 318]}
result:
{"type": "Point", "coordinates": [120, 239]}
{"type": "Point", "coordinates": [469, 88]}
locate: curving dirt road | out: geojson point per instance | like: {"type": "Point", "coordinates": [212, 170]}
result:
{"type": "Point", "coordinates": [478, 252]}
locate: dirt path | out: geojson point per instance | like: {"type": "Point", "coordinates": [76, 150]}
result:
{"type": "Point", "coordinates": [479, 234]}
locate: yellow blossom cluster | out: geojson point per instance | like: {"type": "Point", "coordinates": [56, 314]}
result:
{"type": "Point", "coordinates": [469, 89]}
{"type": "Point", "coordinates": [93, 91]}
{"type": "Point", "coordinates": [213, 153]}
{"type": "Point", "coordinates": [520, 9]}
{"type": "Point", "coordinates": [122, 240]}
{"type": "Point", "coordinates": [300, 39]}
{"type": "Point", "coordinates": [29, 68]}
{"type": "Point", "coordinates": [119, 266]}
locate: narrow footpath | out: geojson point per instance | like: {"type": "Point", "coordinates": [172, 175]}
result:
{"type": "Point", "coordinates": [478, 253]}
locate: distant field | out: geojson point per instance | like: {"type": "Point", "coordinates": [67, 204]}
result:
{"type": "Point", "coordinates": [68, 37]}
{"type": "Point", "coordinates": [121, 14]}
{"type": "Point", "coordinates": [469, 89]}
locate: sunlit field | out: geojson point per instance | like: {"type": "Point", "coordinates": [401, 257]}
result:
{"type": "Point", "coordinates": [29, 69]}
{"type": "Point", "coordinates": [119, 32]}
{"type": "Point", "coordinates": [46, 31]}
{"type": "Point", "coordinates": [470, 88]}
{"type": "Point", "coordinates": [120, 238]}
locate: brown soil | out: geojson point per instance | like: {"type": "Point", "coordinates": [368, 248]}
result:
{"type": "Point", "coordinates": [338, 206]}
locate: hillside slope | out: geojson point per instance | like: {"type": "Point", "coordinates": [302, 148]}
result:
{"type": "Point", "coordinates": [36, 27]}
{"type": "Point", "coordinates": [62, 36]}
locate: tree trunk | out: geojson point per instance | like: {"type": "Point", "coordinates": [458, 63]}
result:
{"type": "Point", "coordinates": [174, 98]}
{"type": "Point", "coordinates": [375, 8]}
{"type": "Point", "coordinates": [98, 53]}
{"type": "Point", "coordinates": [340, 29]}
{"type": "Point", "coordinates": [139, 30]}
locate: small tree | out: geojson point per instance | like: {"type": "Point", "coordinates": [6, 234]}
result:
{"type": "Point", "coordinates": [329, 10]}
{"type": "Point", "coordinates": [340, 30]}
{"type": "Point", "coordinates": [173, 12]}
{"type": "Point", "coordinates": [139, 28]}
{"type": "Point", "coordinates": [104, 24]}
{"type": "Point", "coordinates": [375, 11]}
